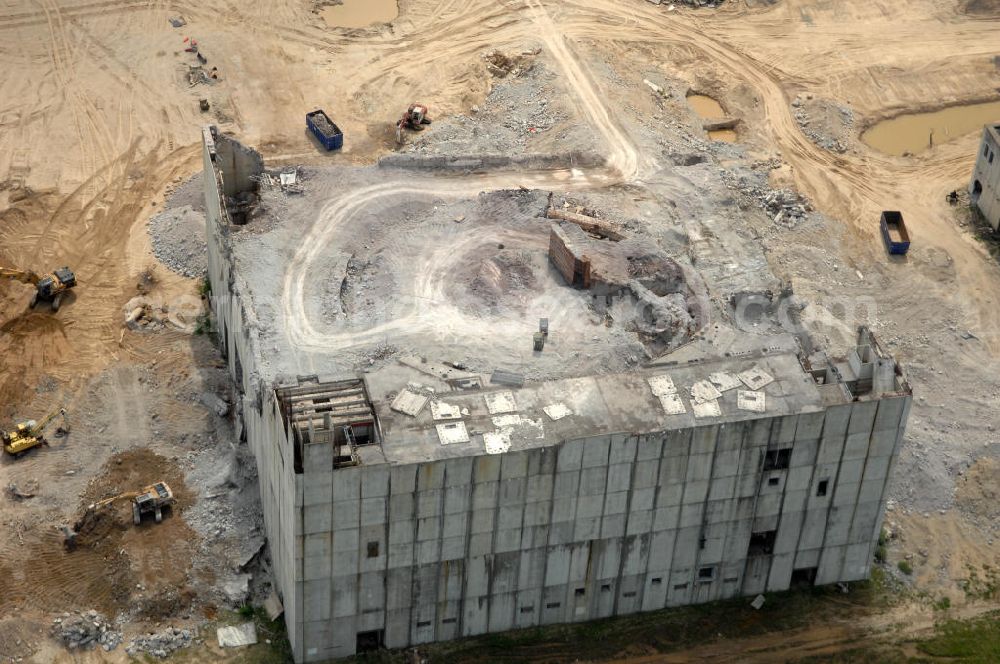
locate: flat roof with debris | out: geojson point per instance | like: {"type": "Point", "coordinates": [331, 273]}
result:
{"type": "Point", "coordinates": [545, 413]}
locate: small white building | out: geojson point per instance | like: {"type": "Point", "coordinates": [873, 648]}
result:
{"type": "Point", "coordinates": [984, 188]}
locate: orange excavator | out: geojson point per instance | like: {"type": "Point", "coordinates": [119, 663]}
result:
{"type": "Point", "coordinates": [48, 287]}
{"type": "Point", "coordinates": [414, 119]}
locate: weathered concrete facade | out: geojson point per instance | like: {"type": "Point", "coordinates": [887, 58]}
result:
{"type": "Point", "coordinates": [384, 535]}
{"type": "Point", "coordinates": [984, 187]}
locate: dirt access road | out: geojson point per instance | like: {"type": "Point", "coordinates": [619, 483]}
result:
{"type": "Point", "coordinates": [98, 121]}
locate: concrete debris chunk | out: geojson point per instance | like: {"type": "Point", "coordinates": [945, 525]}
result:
{"type": "Point", "coordinates": [496, 442]}
{"type": "Point", "coordinates": [706, 409]}
{"type": "Point", "coordinates": [409, 403]}
{"type": "Point", "coordinates": [452, 432]}
{"type": "Point", "coordinates": [703, 391]}
{"type": "Point", "coordinates": [445, 411]}
{"type": "Point", "coordinates": [215, 402]}
{"type": "Point", "coordinates": [237, 635]}
{"type": "Point", "coordinates": [757, 602]}
{"type": "Point", "coordinates": [500, 402]}
{"type": "Point", "coordinates": [273, 606]}
{"type": "Point", "coordinates": [750, 400]}
{"type": "Point", "coordinates": [672, 404]}
{"type": "Point", "coordinates": [557, 411]}
{"type": "Point", "coordinates": [724, 381]}
{"type": "Point", "coordinates": [755, 378]}
{"type": "Point", "coordinates": [662, 385]}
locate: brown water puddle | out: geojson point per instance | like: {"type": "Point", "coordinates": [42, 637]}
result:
{"type": "Point", "coordinates": [916, 132]}
{"type": "Point", "coordinates": [709, 109]}
{"type": "Point", "coordinates": [360, 13]}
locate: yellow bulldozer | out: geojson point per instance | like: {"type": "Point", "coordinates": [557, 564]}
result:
{"type": "Point", "coordinates": [48, 287]}
{"type": "Point", "coordinates": [29, 434]}
{"type": "Point", "coordinates": [151, 499]}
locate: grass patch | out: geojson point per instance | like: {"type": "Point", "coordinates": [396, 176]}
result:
{"type": "Point", "coordinates": [905, 567]}
{"type": "Point", "coordinates": [982, 587]}
{"type": "Point", "coordinates": [204, 325]}
{"type": "Point", "coordinates": [974, 641]}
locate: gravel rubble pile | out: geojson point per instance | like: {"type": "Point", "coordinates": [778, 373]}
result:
{"type": "Point", "coordinates": [178, 238]}
{"type": "Point", "coordinates": [86, 630]}
{"type": "Point", "coordinates": [161, 644]}
{"type": "Point", "coordinates": [826, 124]}
{"type": "Point", "coordinates": [784, 206]}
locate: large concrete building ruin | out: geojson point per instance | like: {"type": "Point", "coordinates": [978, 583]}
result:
{"type": "Point", "coordinates": [410, 497]}
{"type": "Point", "coordinates": [984, 187]}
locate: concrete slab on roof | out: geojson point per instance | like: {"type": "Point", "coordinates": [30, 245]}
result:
{"type": "Point", "coordinates": [452, 432]}
{"type": "Point", "coordinates": [500, 402]}
{"type": "Point", "coordinates": [507, 420]}
{"type": "Point", "coordinates": [724, 381]}
{"type": "Point", "coordinates": [409, 403]}
{"type": "Point", "coordinates": [445, 411]}
{"type": "Point", "coordinates": [703, 391]}
{"type": "Point", "coordinates": [756, 378]}
{"type": "Point", "coordinates": [662, 384]}
{"type": "Point", "coordinates": [751, 400]}
{"type": "Point", "coordinates": [496, 442]}
{"type": "Point", "coordinates": [707, 409]}
{"type": "Point", "coordinates": [557, 411]}
{"type": "Point", "coordinates": [672, 404]}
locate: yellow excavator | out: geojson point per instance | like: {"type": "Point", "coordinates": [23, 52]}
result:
{"type": "Point", "coordinates": [28, 434]}
{"type": "Point", "coordinates": [149, 500]}
{"type": "Point", "coordinates": [48, 287]}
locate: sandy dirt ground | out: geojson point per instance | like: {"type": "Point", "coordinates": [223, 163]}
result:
{"type": "Point", "coordinates": [98, 123]}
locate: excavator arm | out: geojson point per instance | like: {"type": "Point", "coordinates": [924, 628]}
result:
{"type": "Point", "coordinates": [24, 276]}
{"type": "Point", "coordinates": [47, 420]}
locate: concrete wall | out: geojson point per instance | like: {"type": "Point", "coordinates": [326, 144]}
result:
{"type": "Point", "coordinates": [987, 174]}
{"type": "Point", "coordinates": [259, 421]}
{"type": "Point", "coordinates": [590, 528]}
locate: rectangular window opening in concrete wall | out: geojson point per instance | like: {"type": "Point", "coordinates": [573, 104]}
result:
{"type": "Point", "coordinates": [804, 577]}
{"type": "Point", "coordinates": [731, 579]}
{"type": "Point", "coordinates": [762, 544]}
{"type": "Point", "coordinates": [774, 481]}
{"type": "Point", "coordinates": [373, 549]}
{"type": "Point", "coordinates": [631, 593]}
{"type": "Point", "coordinates": [527, 609]}
{"type": "Point", "coordinates": [656, 581]}
{"type": "Point", "coordinates": [424, 623]}
{"type": "Point", "coordinates": [553, 605]}
{"type": "Point", "coordinates": [680, 586]}
{"type": "Point", "coordinates": [580, 592]}
{"type": "Point", "coordinates": [448, 621]}
{"type": "Point", "coordinates": [822, 487]}
{"type": "Point", "coordinates": [605, 587]}
{"type": "Point", "coordinates": [371, 641]}
{"type": "Point", "coordinates": [777, 459]}
{"type": "Point", "coordinates": [706, 573]}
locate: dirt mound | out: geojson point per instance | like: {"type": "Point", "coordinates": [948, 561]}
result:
{"type": "Point", "coordinates": [501, 64]}
{"type": "Point", "coordinates": [505, 279]}
{"type": "Point", "coordinates": [116, 566]}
